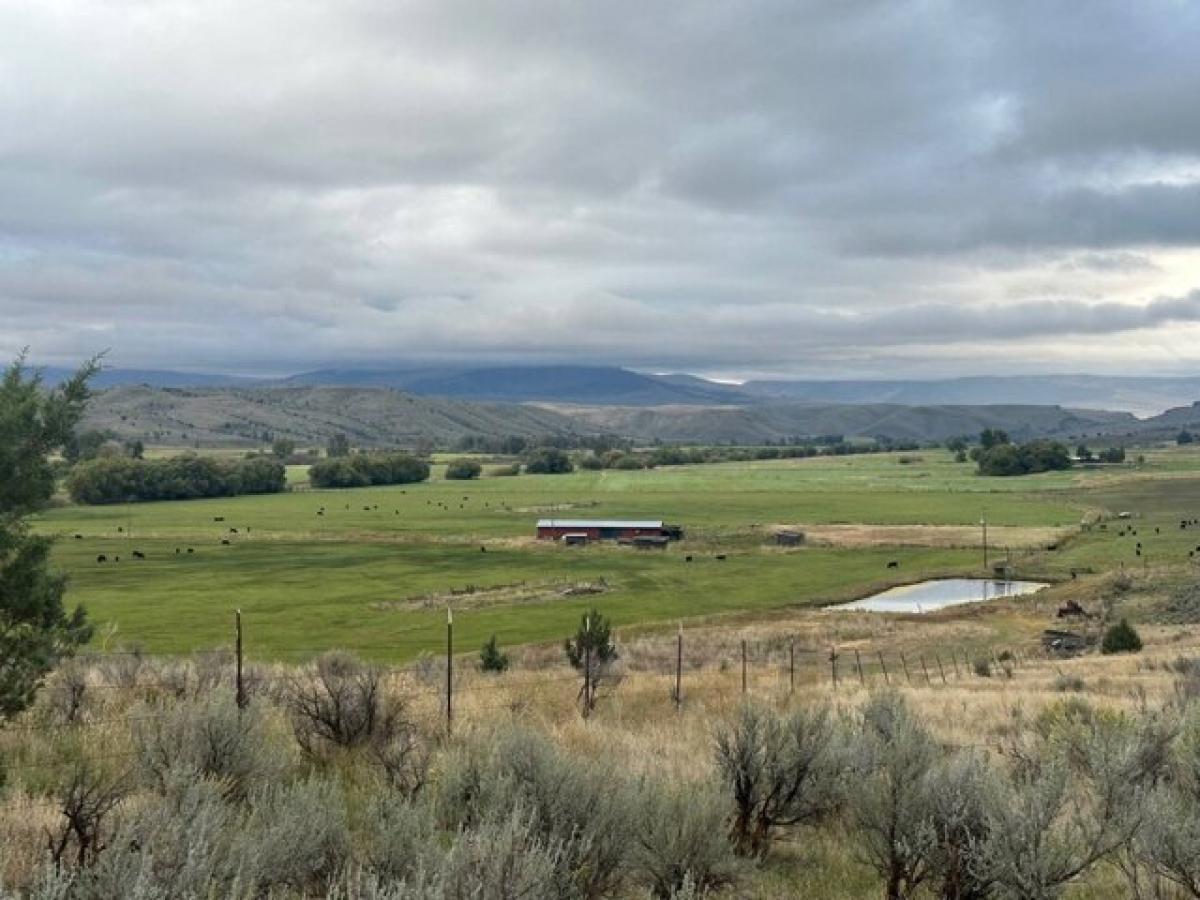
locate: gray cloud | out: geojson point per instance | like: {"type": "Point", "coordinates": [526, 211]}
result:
{"type": "Point", "coordinates": [860, 186]}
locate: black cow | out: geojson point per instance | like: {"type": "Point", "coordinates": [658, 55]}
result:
{"type": "Point", "coordinates": [894, 564]}
{"type": "Point", "coordinates": [79, 537]}
{"type": "Point", "coordinates": [101, 558]}
{"type": "Point", "coordinates": [225, 542]}
{"type": "Point", "coordinates": [218, 518]}
{"type": "Point", "coordinates": [233, 531]}
{"type": "Point", "coordinates": [191, 550]}
{"type": "Point", "coordinates": [138, 554]}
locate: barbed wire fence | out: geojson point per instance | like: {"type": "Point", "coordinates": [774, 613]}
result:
{"type": "Point", "coordinates": [776, 666]}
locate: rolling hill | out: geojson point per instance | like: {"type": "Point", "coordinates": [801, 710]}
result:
{"type": "Point", "coordinates": [308, 415]}
{"type": "Point", "coordinates": [776, 421]}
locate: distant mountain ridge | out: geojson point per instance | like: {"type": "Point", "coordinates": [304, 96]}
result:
{"type": "Point", "coordinates": [1139, 395]}
{"type": "Point", "coordinates": [520, 384]}
{"type": "Point", "coordinates": [615, 386]}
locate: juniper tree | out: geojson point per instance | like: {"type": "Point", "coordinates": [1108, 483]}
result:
{"type": "Point", "coordinates": [36, 630]}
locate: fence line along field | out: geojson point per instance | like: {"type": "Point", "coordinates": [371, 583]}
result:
{"type": "Point", "coordinates": [374, 568]}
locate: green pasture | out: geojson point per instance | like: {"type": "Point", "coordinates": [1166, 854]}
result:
{"type": "Point", "coordinates": [349, 577]}
{"type": "Point", "coordinates": [300, 598]}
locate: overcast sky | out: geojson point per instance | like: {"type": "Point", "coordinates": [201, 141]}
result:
{"type": "Point", "coordinates": [836, 188]}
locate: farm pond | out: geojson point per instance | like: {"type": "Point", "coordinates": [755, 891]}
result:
{"type": "Point", "coordinates": [926, 596]}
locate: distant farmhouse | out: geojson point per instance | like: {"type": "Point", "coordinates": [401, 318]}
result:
{"type": "Point", "coordinates": [632, 531]}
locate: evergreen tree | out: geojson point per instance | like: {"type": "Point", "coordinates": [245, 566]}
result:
{"type": "Point", "coordinates": [36, 631]}
{"type": "Point", "coordinates": [492, 658]}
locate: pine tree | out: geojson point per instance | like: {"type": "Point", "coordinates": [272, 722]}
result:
{"type": "Point", "coordinates": [492, 658]}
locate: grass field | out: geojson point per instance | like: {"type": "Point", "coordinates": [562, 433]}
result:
{"type": "Point", "coordinates": [376, 570]}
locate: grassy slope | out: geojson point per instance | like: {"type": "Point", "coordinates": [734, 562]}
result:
{"type": "Point", "coordinates": [307, 582]}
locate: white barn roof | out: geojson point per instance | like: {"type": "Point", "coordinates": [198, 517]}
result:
{"type": "Point", "coordinates": [599, 523]}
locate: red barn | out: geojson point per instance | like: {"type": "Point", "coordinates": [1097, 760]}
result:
{"type": "Point", "coordinates": [600, 529]}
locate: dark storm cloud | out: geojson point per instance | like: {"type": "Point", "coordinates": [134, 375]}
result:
{"type": "Point", "coordinates": [734, 187]}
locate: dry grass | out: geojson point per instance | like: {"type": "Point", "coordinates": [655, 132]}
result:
{"type": "Point", "coordinates": [943, 536]}
{"type": "Point", "coordinates": [639, 726]}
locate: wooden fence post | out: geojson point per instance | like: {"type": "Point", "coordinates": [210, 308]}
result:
{"type": "Point", "coordinates": [926, 669]}
{"type": "Point", "coordinates": [883, 666]}
{"type": "Point", "coordinates": [858, 664]}
{"type": "Point", "coordinates": [940, 669]}
{"type": "Point", "coordinates": [833, 665]}
{"type": "Point", "coordinates": [744, 684]}
{"type": "Point", "coordinates": [679, 668]}
{"type": "Point", "coordinates": [904, 663]}
{"type": "Point", "coordinates": [587, 666]}
{"type": "Point", "coordinates": [792, 666]}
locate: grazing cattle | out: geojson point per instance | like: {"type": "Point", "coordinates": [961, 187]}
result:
{"type": "Point", "coordinates": [101, 558]}
{"type": "Point", "coordinates": [79, 537]}
{"type": "Point", "coordinates": [116, 559]}
{"type": "Point", "coordinates": [721, 556]}
{"type": "Point", "coordinates": [225, 541]}
{"type": "Point", "coordinates": [1138, 551]}
{"type": "Point", "coordinates": [191, 550]}
{"type": "Point", "coordinates": [218, 518]}
{"type": "Point", "coordinates": [483, 549]}
{"type": "Point", "coordinates": [176, 551]}
{"type": "Point", "coordinates": [687, 559]}
{"type": "Point", "coordinates": [320, 512]}
{"type": "Point", "coordinates": [138, 554]}
{"type": "Point", "coordinates": [233, 531]}
{"type": "Point", "coordinates": [894, 564]}
{"type": "Point", "coordinates": [1156, 531]}
{"type": "Point", "coordinates": [120, 529]}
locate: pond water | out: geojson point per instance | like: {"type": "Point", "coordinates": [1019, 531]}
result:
{"type": "Point", "coordinates": [927, 596]}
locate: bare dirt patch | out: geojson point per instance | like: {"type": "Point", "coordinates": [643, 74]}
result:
{"type": "Point", "coordinates": [927, 535]}
{"type": "Point", "coordinates": [479, 596]}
